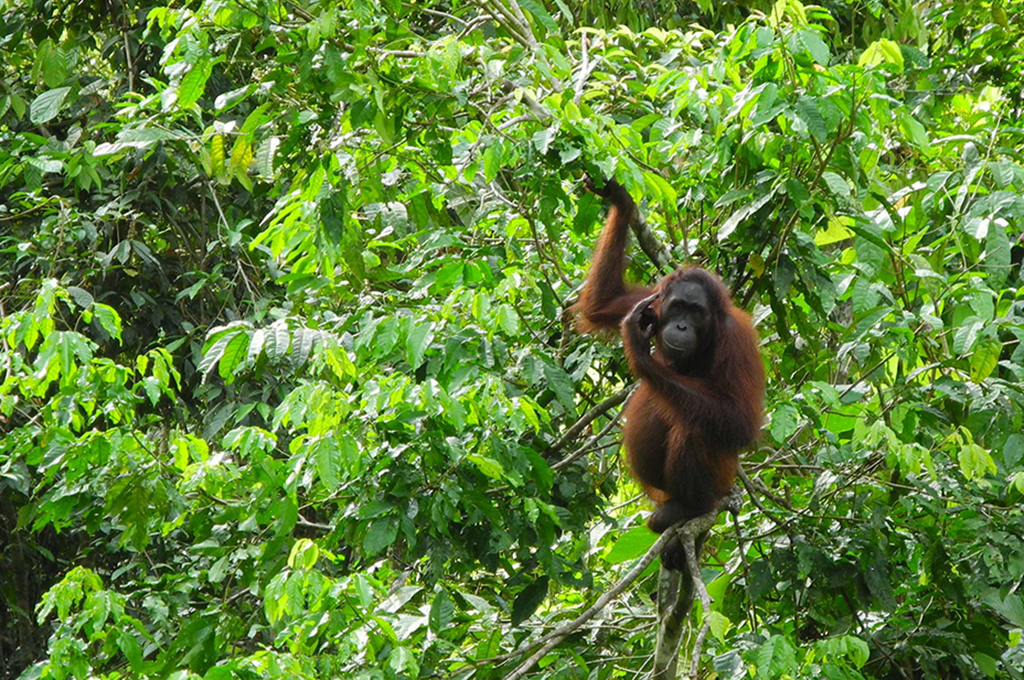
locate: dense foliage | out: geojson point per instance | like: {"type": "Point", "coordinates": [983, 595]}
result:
{"type": "Point", "coordinates": [288, 389]}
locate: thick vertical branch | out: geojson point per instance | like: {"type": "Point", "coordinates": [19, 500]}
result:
{"type": "Point", "coordinates": [677, 588]}
{"type": "Point", "coordinates": [675, 594]}
{"type": "Point", "coordinates": [697, 526]}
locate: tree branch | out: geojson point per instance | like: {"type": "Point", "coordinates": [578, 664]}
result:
{"type": "Point", "coordinates": [690, 529]}
{"type": "Point", "coordinates": [652, 246]}
{"type": "Point", "coordinates": [678, 589]}
{"type": "Point", "coordinates": [591, 415]}
{"type": "Point", "coordinates": [590, 443]}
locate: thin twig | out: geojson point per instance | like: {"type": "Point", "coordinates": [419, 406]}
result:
{"type": "Point", "coordinates": [578, 453]}
{"type": "Point", "coordinates": [591, 415]}
{"type": "Point", "coordinates": [584, 72]}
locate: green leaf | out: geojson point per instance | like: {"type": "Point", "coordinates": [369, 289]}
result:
{"type": "Point", "coordinates": [256, 346]}
{"type": "Point", "coordinates": [131, 648]}
{"type": "Point", "coordinates": [507, 318]}
{"type": "Point", "coordinates": [442, 611]}
{"type": "Point", "coordinates": [836, 184]}
{"type": "Point", "coordinates": [492, 161]}
{"type": "Point", "coordinates": [381, 533]}
{"type": "Point", "coordinates": [815, 46]}
{"type": "Point", "coordinates": [265, 157]}
{"type": "Point", "coordinates": [1003, 172]}
{"type": "Point", "coordinates": [837, 231]}
{"type": "Point", "coordinates": [234, 354]}
{"type": "Point", "coordinates": [488, 466]}
{"type": "Point", "coordinates": [966, 334]}
{"type": "Point", "coordinates": [18, 105]}
{"type": "Point", "coordinates": [631, 545]}
{"type": "Point", "coordinates": [528, 599]}
{"type": "Point", "coordinates": [988, 665]}
{"type": "Point", "coordinates": [46, 106]}
{"type": "Point", "coordinates": [559, 381]}
{"type": "Point", "coordinates": [882, 51]}
{"type": "Point", "coordinates": [720, 625]}
{"type": "Point", "coordinates": [1011, 608]}
{"type": "Point", "coordinates": [997, 258]}
{"type": "Point", "coordinates": [1013, 450]}
{"type": "Point", "coordinates": [540, 14]}
{"type": "Point", "coordinates": [877, 578]}
{"type": "Point", "coordinates": [785, 419]}
{"type": "Point", "coordinates": [302, 345]}
{"type": "Point", "coordinates": [808, 111]}
{"type": "Point", "coordinates": [214, 354]}
{"type": "Point", "coordinates": [729, 226]}
{"type": "Point", "coordinates": [194, 83]}
{"type": "Point", "coordinates": [915, 131]}
{"type": "Point", "coordinates": [776, 656]}
{"type": "Point", "coordinates": [241, 155]}
{"type": "Point", "coordinates": [857, 650]}
{"type": "Point", "coordinates": [52, 62]}
{"type": "Point", "coordinates": [404, 663]}
{"type": "Point", "coordinates": [985, 358]}
{"type": "Point", "coordinates": [542, 139]}
{"type": "Point", "coordinates": [81, 297]}
{"type": "Point", "coordinates": [278, 340]}
{"type": "Point", "coordinates": [421, 333]}
{"type": "Point", "coordinates": [975, 462]}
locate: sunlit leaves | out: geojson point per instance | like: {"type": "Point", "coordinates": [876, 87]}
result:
{"type": "Point", "coordinates": [51, 64]}
{"type": "Point", "coordinates": [109, 319]}
{"type": "Point", "coordinates": [488, 466]}
{"type": "Point", "coordinates": [303, 555]}
{"type": "Point", "coordinates": [277, 340]}
{"type": "Point", "coordinates": [215, 352]}
{"type": "Point", "coordinates": [985, 358]}
{"type": "Point", "coordinates": [775, 658]}
{"type": "Point", "coordinates": [837, 230]}
{"type": "Point", "coordinates": [811, 41]}
{"type": "Point", "coordinates": [836, 184]}
{"type": "Point", "coordinates": [882, 51]}
{"type": "Point", "coordinates": [329, 462]}
{"type": "Point", "coordinates": [848, 646]}
{"type": "Point", "coordinates": [265, 156]}
{"type": "Point", "coordinates": [234, 353]}
{"type": "Point", "coordinates": [442, 610]}
{"type": "Point", "coordinates": [69, 592]}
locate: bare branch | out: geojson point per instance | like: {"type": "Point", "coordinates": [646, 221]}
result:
{"type": "Point", "coordinates": [585, 69]}
{"type": "Point", "coordinates": [588, 417]}
{"type": "Point", "coordinates": [652, 246]}
{"type": "Point", "coordinates": [592, 442]}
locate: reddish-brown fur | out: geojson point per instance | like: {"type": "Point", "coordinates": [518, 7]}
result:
{"type": "Point", "coordinates": [683, 432]}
